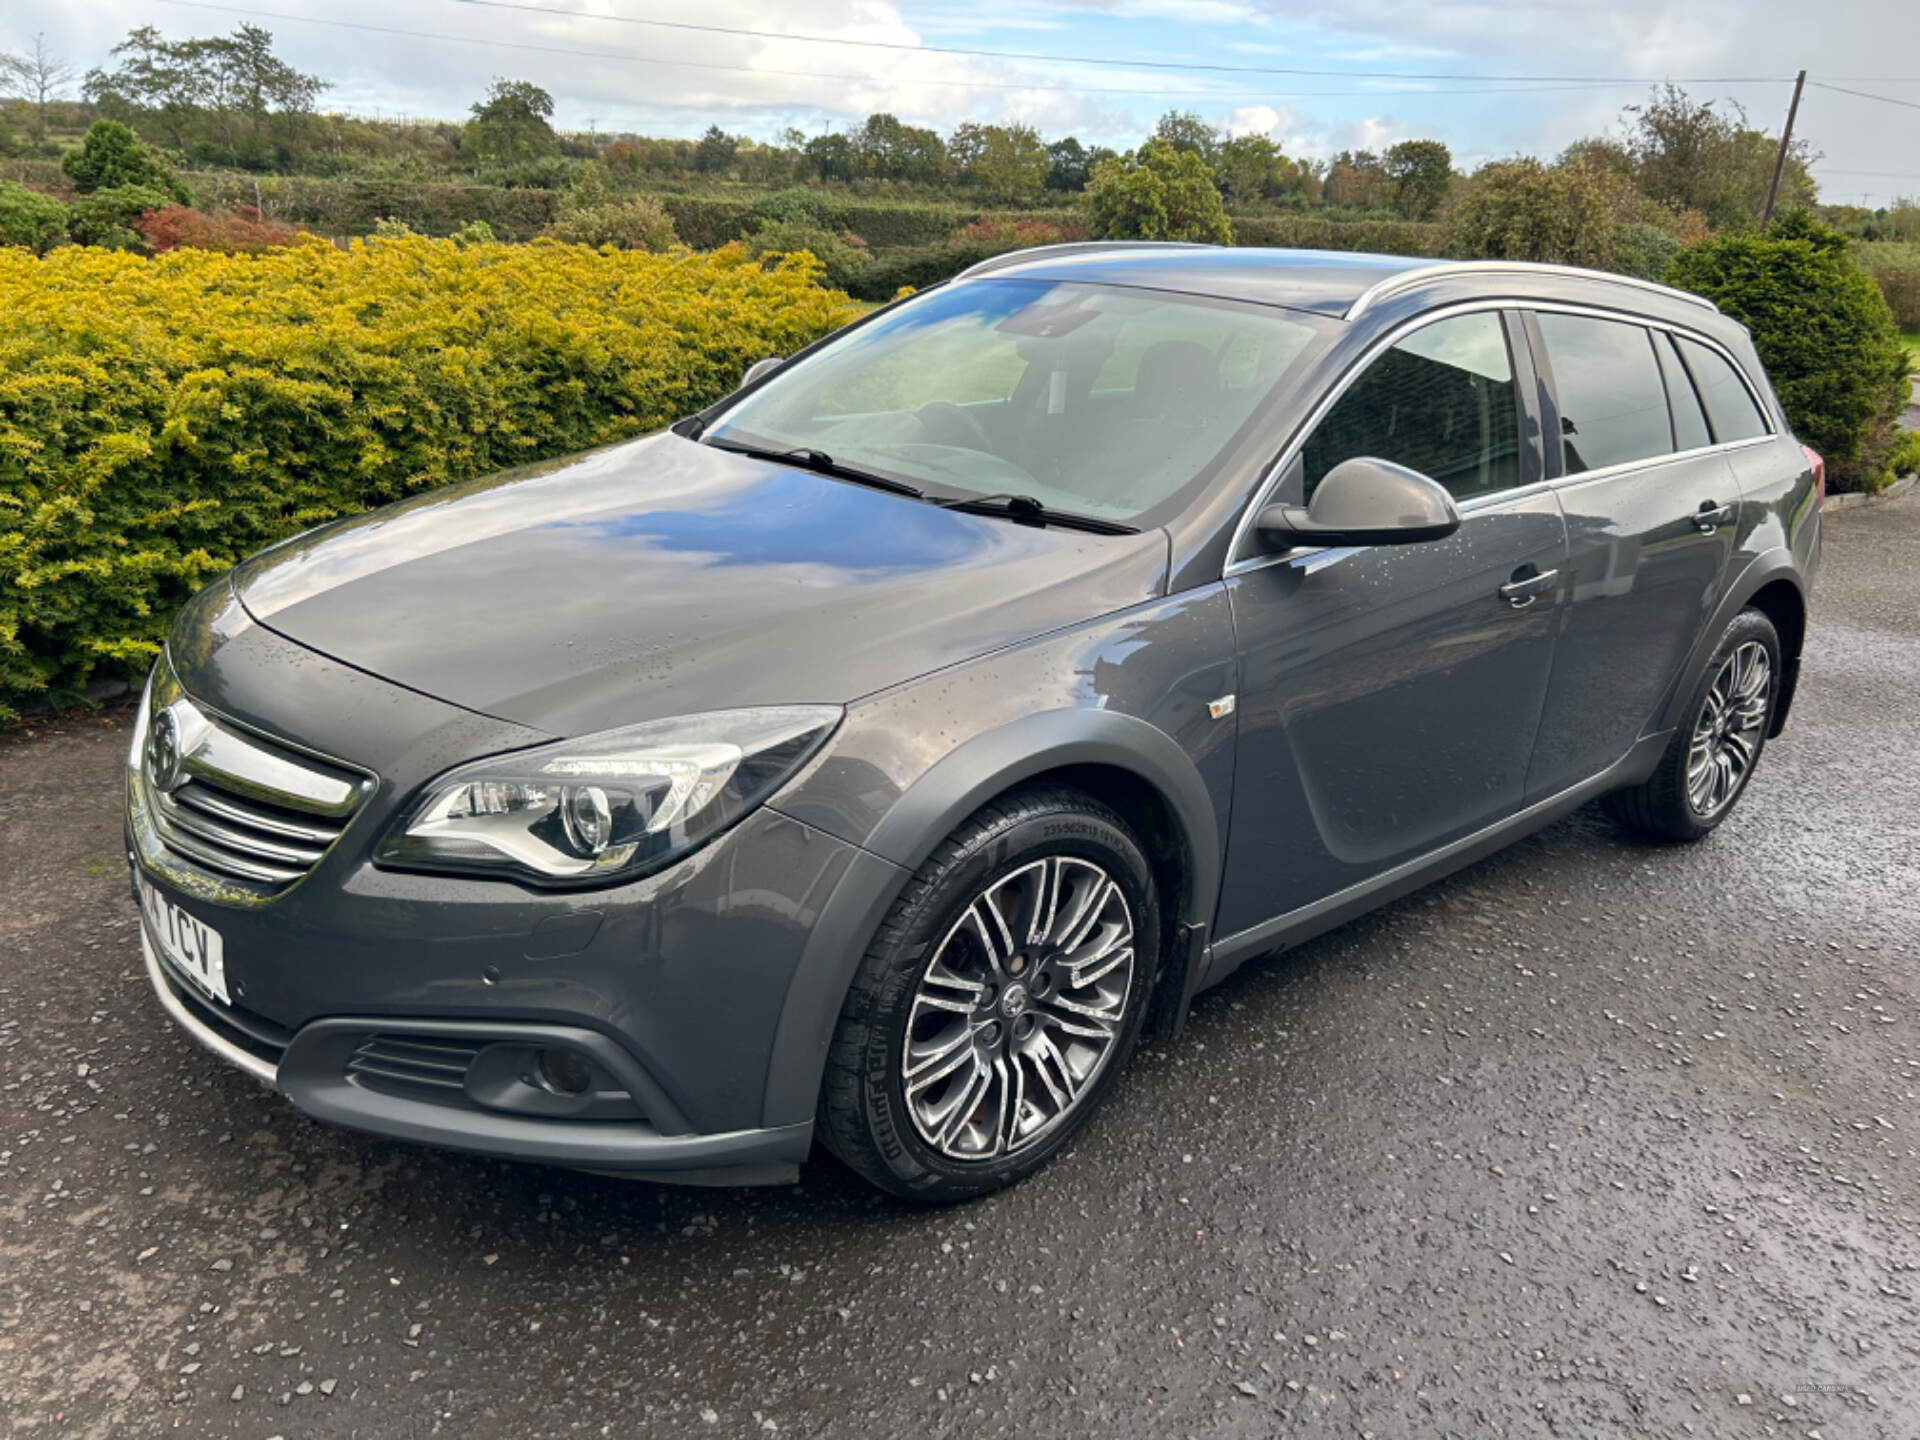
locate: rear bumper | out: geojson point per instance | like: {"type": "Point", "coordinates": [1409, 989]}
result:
{"type": "Point", "coordinates": [311, 1072]}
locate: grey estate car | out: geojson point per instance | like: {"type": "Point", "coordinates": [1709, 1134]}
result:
{"type": "Point", "coordinates": [871, 756]}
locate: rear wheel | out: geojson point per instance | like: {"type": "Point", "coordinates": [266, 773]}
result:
{"type": "Point", "coordinates": [999, 1001]}
{"type": "Point", "coordinates": [1713, 753]}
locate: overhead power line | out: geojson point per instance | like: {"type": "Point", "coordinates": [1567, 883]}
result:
{"type": "Point", "coordinates": [1866, 95]}
{"type": "Point", "coordinates": [628, 57]}
{"type": "Point", "coordinates": [747, 32]}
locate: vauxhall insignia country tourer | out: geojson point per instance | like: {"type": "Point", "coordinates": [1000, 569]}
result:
{"type": "Point", "coordinates": [867, 759]}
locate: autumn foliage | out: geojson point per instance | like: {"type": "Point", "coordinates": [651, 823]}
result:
{"type": "Point", "coordinates": [243, 232]}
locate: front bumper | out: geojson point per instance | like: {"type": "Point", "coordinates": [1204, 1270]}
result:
{"type": "Point", "coordinates": [312, 1072]}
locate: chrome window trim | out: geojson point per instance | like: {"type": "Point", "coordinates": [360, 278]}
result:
{"type": "Point", "coordinates": [1271, 476]}
{"type": "Point", "coordinates": [1607, 472]}
{"type": "Point", "coordinates": [1415, 275]}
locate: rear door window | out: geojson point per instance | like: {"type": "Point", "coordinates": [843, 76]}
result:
{"type": "Point", "coordinates": [1442, 402]}
{"type": "Point", "coordinates": [1729, 404]}
{"type": "Point", "coordinates": [1689, 420]}
{"type": "Point", "coordinates": [1613, 403]}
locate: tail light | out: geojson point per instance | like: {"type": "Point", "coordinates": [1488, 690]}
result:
{"type": "Point", "coordinates": [1819, 467]}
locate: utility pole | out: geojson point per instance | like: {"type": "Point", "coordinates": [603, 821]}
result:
{"type": "Point", "coordinates": [1780, 160]}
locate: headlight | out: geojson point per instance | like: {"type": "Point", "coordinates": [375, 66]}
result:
{"type": "Point", "coordinates": [611, 806]}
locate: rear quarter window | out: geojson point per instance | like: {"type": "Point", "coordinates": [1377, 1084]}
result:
{"type": "Point", "coordinates": [1730, 407]}
{"type": "Point", "coordinates": [1689, 421]}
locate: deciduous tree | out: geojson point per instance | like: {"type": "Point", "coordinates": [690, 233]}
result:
{"type": "Point", "coordinates": [511, 124]}
{"type": "Point", "coordinates": [1523, 210]}
{"type": "Point", "coordinates": [1420, 170]}
{"type": "Point", "coordinates": [41, 75]}
{"type": "Point", "coordinates": [1157, 192]}
{"type": "Point", "coordinates": [1185, 130]}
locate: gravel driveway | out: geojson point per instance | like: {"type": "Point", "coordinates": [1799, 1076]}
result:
{"type": "Point", "coordinates": [1593, 1139]}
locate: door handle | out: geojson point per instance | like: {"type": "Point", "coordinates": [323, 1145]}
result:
{"type": "Point", "coordinates": [1710, 516]}
{"type": "Point", "coordinates": [1523, 590]}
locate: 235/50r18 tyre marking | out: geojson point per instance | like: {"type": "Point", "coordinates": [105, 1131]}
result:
{"type": "Point", "coordinates": [1019, 1009]}
{"type": "Point", "coordinates": [1726, 738]}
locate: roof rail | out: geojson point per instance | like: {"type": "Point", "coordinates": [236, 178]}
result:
{"type": "Point", "coordinates": [1406, 279]}
{"type": "Point", "coordinates": [1074, 247]}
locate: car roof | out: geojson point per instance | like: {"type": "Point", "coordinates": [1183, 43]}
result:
{"type": "Point", "coordinates": [1324, 282]}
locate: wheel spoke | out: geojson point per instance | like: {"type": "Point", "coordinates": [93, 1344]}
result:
{"type": "Point", "coordinates": [923, 1053]}
{"type": "Point", "coordinates": [1080, 1020]}
{"type": "Point", "coordinates": [1086, 912]}
{"type": "Point", "coordinates": [951, 1004]}
{"type": "Point", "coordinates": [938, 1067]}
{"type": "Point", "coordinates": [1050, 1054]}
{"type": "Point", "coordinates": [1037, 905]}
{"type": "Point", "coordinates": [1016, 1077]}
{"type": "Point", "coordinates": [1698, 784]}
{"type": "Point", "coordinates": [1036, 1056]}
{"type": "Point", "coordinates": [1739, 749]}
{"type": "Point", "coordinates": [971, 1094]}
{"type": "Point", "coordinates": [1104, 962]}
{"type": "Point", "coordinates": [998, 1134]}
{"type": "Point", "coordinates": [991, 931]}
{"type": "Point", "coordinates": [1723, 779]}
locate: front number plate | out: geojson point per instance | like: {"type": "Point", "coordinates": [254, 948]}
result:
{"type": "Point", "coordinates": [192, 948]}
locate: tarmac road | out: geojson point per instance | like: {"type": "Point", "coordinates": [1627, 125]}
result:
{"type": "Point", "coordinates": [1593, 1139]}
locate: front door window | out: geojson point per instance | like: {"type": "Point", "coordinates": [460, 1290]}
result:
{"type": "Point", "coordinates": [1441, 401]}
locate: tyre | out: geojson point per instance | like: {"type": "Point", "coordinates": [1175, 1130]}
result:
{"type": "Point", "coordinates": [998, 1002]}
{"type": "Point", "coordinates": [1706, 768]}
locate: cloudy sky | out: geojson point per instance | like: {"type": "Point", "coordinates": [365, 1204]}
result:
{"type": "Point", "coordinates": [1489, 78]}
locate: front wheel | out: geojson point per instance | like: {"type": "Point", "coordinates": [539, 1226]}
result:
{"type": "Point", "coordinates": [1712, 756]}
{"type": "Point", "coordinates": [998, 1002]}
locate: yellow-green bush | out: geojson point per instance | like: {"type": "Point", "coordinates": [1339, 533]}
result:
{"type": "Point", "coordinates": [160, 419]}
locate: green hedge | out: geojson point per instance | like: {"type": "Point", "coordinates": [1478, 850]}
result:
{"type": "Point", "coordinates": [706, 223]}
{"type": "Point", "coordinates": [160, 419]}
{"type": "Point", "coordinates": [1310, 232]}
{"type": "Point", "coordinates": [918, 266]}
{"type": "Point", "coordinates": [349, 207]}
{"type": "Point", "coordinates": [352, 207]}
{"type": "Point", "coordinates": [46, 174]}
{"type": "Point", "coordinates": [1895, 267]}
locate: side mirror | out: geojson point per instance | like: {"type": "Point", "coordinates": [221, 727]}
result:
{"type": "Point", "coordinates": [1364, 501]}
{"type": "Point", "coordinates": [760, 369]}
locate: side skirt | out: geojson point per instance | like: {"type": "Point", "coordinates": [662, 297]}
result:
{"type": "Point", "coordinates": [1283, 932]}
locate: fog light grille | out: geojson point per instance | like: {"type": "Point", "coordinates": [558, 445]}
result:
{"type": "Point", "coordinates": [412, 1062]}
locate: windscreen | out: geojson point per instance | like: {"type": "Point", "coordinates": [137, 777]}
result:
{"type": "Point", "coordinates": [1093, 399]}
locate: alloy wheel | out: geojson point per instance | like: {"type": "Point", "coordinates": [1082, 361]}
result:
{"type": "Point", "coordinates": [1728, 734]}
{"type": "Point", "coordinates": [1019, 1009]}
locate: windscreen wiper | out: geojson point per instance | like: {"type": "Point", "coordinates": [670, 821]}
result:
{"type": "Point", "coordinates": [1030, 511]}
{"type": "Point", "coordinates": [820, 463]}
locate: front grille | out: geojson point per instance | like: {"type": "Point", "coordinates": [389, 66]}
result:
{"type": "Point", "coordinates": [225, 800]}
{"type": "Point", "coordinates": [212, 826]}
{"type": "Point", "coordinates": [411, 1063]}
